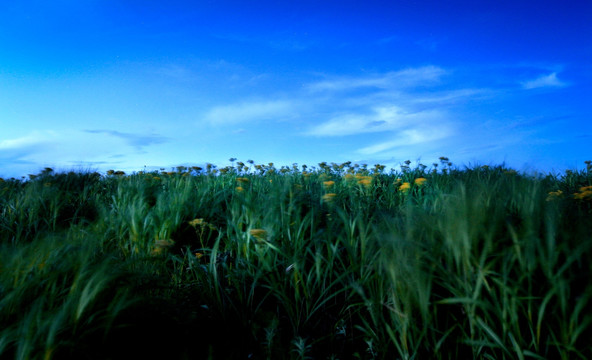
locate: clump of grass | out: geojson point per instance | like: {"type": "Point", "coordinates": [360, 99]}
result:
{"type": "Point", "coordinates": [339, 260]}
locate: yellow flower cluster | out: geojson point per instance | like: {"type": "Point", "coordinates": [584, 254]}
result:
{"type": "Point", "coordinates": [161, 246]}
{"type": "Point", "coordinates": [329, 183]}
{"type": "Point", "coordinates": [364, 180]}
{"type": "Point", "coordinates": [405, 187]}
{"type": "Point", "coordinates": [554, 195]}
{"type": "Point", "coordinates": [420, 181]}
{"type": "Point", "coordinates": [329, 197]}
{"type": "Point", "coordinates": [259, 234]}
{"type": "Point", "coordinates": [196, 222]}
{"type": "Point", "coordinates": [585, 193]}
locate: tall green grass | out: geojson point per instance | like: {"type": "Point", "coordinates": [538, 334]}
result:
{"type": "Point", "coordinates": [339, 261]}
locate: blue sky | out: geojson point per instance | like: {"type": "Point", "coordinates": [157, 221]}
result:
{"type": "Point", "coordinates": [101, 85]}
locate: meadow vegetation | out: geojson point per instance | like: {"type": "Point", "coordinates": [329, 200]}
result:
{"type": "Point", "coordinates": [336, 261]}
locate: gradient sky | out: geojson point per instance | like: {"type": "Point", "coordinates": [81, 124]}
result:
{"type": "Point", "coordinates": [125, 84]}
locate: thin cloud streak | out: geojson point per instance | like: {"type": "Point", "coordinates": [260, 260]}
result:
{"type": "Point", "coordinates": [409, 137]}
{"type": "Point", "coordinates": [392, 80]}
{"type": "Point", "coordinates": [550, 80]}
{"type": "Point", "coordinates": [136, 140]}
{"type": "Point", "coordinates": [382, 119]}
{"type": "Point", "coordinates": [246, 112]}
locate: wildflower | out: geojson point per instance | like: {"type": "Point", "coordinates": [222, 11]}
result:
{"type": "Point", "coordinates": [165, 244]}
{"type": "Point", "coordinates": [196, 222]}
{"type": "Point", "coordinates": [398, 181]}
{"type": "Point", "coordinates": [239, 189]}
{"type": "Point", "coordinates": [329, 183]}
{"type": "Point", "coordinates": [259, 234]}
{"type": "Point", "coordinates": [553, 195]}
{"type": "Point", "coordinates": [420, 181]}
{"type": "Point", "coordinates": [585, 192]}
{"type": "Point", "coordinates": [329, 197]}
{"type": "Point", "coordinates": [242, 180]}
{"type": "Point", "coordinates": [156, 178]}
{"type": "Point", "coordinates": [110, 172]}
{"type": "Point", "coordinates": [160, 246]}
{"type": "Point", "coordinates": [199, 255]}
{"type": "Point", "coordinates": [365, 180]}
{"type": "Point", "coordinates": [405, 187]}
{"type": "Point", "coordinates": [119, 173]}
{"type": "Point", "coordinates": [348, 177]}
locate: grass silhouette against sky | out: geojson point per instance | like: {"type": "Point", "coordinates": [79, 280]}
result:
{"type": "Point", "coordinates": [126, 84]}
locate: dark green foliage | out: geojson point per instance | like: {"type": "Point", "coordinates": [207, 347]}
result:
{"type": "Point", "coordinates": [340, 262]}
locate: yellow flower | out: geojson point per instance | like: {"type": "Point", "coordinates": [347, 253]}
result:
{"type": "Point", "coordinates": [239, 189]}
{"type": "Point", "coordinates": [242, 180]}
{"type": "Point", "coordinates": [365, 180]}
{"type": "Point", "coordinates": [259, 234]}
{"type": "Point", "coordinates": [583, 194]}
{"type": "Point", "coordinates": [329, 197]}
{"type": "Point", "coordinates": [196, 222]}
{"type": "Point", "coordinates": [328, 184]}
{"type": "Point", "coordinates": [553, 195]}
{"type": "Point", "coordinates": [199, 255]}
{"type": "Point", "coordinates": [348, 177]}
{"type": "Point", "coordinates": [405, 187]}
{"type": "Point", "coordinates": [420, 181]}
{"type": "Point", "coordinates": [160, 246]}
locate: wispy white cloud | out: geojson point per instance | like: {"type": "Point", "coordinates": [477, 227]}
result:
{"type": "Point", "coordinates": [32, 140]}
{"type": "Point", "coordinates": [71, 148]}
{"type": "Point", "coordinates": [392, 80]}
{"type": "Point", "coordinates": [402, 107]}
{"type": "Point", "coordinates": [246, 112]}
{"type": "Point", "coordinates": [381, 119]}
{"type": "Point", "coordinates": [137, 140]}
{"type": "Point", "coordinates": [409, 137]}
{"type": "Point", "coordinates": [550, 80]}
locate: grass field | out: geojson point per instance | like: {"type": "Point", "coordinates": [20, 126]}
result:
{"type": "Point", "coordinates": [337, 261]}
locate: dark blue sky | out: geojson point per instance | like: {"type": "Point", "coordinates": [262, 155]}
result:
{"type": "Point", "coordinates": [124, 84]}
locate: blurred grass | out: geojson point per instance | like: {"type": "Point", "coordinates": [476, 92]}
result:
{"type": "Point", "coordinates": [335, 261]}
